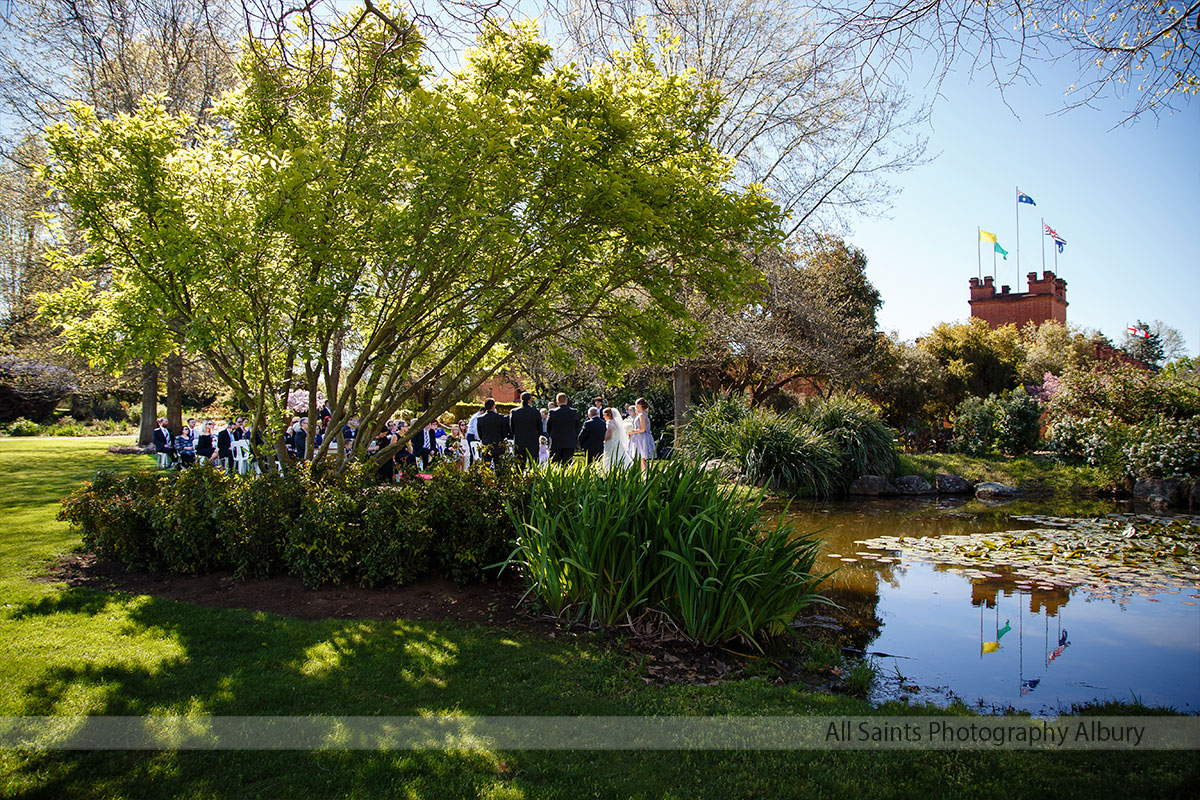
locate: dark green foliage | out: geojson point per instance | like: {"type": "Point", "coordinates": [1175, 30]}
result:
{"type": "Point", "coordinates": [323, 546]}
{"type": "Point", "coordinates": [467, 511]}
{"type": "Point", "coordinates": [608, 546]}
{"type": "Point", "coordinates": [185, 521]}
{"type": "Point", "coordinates": [113, 514]}
{"type": "Point", "coordinates": [817, 449]}
{"type": "Point", "coordinates": [867, 445]}
{"type": "Point", "coordinates": [397, 544]}
{"type": "Point", "coordinates": [323, 527]}
{"type": "Point", "coordinates": [254, 520]}
{"type": "Point", "coordinates": [1018, 422]}
{"type": "Point", "coordinates": [1009, 422]}
{"type": "Point", "coordinates": [785, 453]}
{"type": "Point", "coordinates": [974, 427]}
{"type": "Point", "coordinates": [31, 389]}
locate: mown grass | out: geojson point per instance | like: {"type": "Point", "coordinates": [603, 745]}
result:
{"type": "Point", "coordinates": [1032, 472]}
{"type": "Point", "coordinates": [72, 651]}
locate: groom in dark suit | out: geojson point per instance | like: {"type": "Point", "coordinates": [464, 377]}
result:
{"type": "Point", "coordinates": [525, 424]}
{"type": "Point", "coordinates": [492, 429]}
{"type": "Point", "coordinates": [562, 428]}
{"type": "Point", "coordinates": [591, 438]}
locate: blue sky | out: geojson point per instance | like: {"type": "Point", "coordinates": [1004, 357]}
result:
{"type": "Point", "coordinates": [1126, 200]}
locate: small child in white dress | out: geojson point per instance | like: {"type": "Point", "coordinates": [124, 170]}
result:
{"type": "Point", "coordinates": [543, 450]}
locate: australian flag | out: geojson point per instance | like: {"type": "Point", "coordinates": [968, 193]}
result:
{"type": "Point", "coordinates": [1024, 198]}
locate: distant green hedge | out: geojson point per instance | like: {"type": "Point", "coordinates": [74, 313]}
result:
{"type": "Point", "coordinates": [321, 528]}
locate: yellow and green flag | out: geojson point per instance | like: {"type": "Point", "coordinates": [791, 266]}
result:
{"type": "Point", "coordinates": [989, 647]}
{"type": "Point", "coordinates": [984, 236]}
{"type": "Point", "coordinates": [1001, 251]}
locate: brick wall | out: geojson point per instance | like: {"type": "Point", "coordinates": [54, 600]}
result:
{"type": "Point", "coordinates": [1046, 299]}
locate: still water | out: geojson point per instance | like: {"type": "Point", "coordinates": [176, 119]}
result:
{"type": "Point", "coordinates": [939, 634]}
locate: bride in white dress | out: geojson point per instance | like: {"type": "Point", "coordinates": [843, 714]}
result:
{"type": "Point", "coordinates": [616, 441]}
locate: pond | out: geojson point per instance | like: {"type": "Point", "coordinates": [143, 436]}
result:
{"type": "Point", "coordinates": [1015, 635]}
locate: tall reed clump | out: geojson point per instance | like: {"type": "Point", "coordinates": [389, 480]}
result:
{"type": "Point", "coordinates": [610, 546]}
{"type": "Point", "coordinates": [866, 445]}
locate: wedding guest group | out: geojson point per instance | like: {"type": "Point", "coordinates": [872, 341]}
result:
{"type": "Point", "coordinates": [532, 435]}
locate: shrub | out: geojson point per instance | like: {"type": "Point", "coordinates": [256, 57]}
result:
{"type": "Point", "coordinates": [466, 509]}
{"type": "Point", "coordinates": [1089, 440]}
{"type": "Point", "coordinates": [31, 389]}
{"type": "Point", "coordinates": [185, 521]}
{"type": "Point", "coordinates": [707, 434]}
{"type": "Point", "coordinates": [254, 521]}
{"type": "Point", "coordinates": [23, 427]}
{"type": "Point", "coordinates": [610, 546]}
{"type": "Point", "coordinates": [1018, 422]}
{"type": "Point", "coordinates": [397, 544]}
{"type": "Point", "coordinates": [784, 453]}
{"type": "Point", "coordinates": [1163, 448]}
{"type": "Point", "coordinates": [974, 427]}
{"type": "Point", "coordinates": [113, 512]}
{"type": "Point", "coordinates": [866, 444]}
{"type": "Point", "coordinates": [323, 545]}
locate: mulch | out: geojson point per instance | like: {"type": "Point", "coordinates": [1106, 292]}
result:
{"type": "Point", "coordinates": [659, 653]}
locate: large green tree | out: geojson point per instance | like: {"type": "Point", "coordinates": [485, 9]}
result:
{"type": "Point", "coordinates": [345, 206]}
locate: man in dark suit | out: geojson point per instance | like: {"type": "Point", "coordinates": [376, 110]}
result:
{"type": "Point", "coordinates": [525, 423]}
{"type": "Point", "coordinates": [163, 442]}
{"type": "Point", "coordinates": [492, 429]}
{"type": "Point", "coordinates": [563, 430]}
{"type": "Point", "coordinates": [225, 446]}
{"type": "Point", "coordinates": [425, 444]}
{"type": "Point", "coordinates": [591, 438]}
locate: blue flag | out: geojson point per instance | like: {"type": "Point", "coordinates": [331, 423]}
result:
{"type": "Point", "coordinates": [1024, 198]}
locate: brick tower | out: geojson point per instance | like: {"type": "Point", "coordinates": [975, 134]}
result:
{"type": "Point", "coordinates": [1046, 299]}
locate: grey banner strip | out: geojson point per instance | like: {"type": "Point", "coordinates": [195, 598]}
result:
{"type": "Point", "coordinates": [598, 733]}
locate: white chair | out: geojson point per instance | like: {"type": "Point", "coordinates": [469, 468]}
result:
{"type": "Point", "coordinates": [164, 460]}
{"type": "Point", "coordinates": [241, 455]}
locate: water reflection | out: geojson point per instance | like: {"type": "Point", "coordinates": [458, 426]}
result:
{"type": "Point", "coordinates": [995, 638]}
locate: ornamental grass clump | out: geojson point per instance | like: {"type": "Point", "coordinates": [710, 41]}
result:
{"type": "Point", "coordinates": [608, 547]}
{"type": "Point", "coordinates": [866, 445]}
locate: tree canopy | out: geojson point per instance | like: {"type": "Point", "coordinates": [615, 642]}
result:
{"type": "Point", "coordinates": [341, 203]}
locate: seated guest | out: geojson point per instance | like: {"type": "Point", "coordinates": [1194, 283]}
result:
{"type": "Point", "coordinates": [185, 447]}
{"type": "Point", "coordinates": [427, 447]}
{"type": "Point", "coordinates": [350, 430]}
{"type": "Point", "coordinates": [163, 441]}
{"type": "Point", "coordinates": [204, 443]}
{"type": "Point", "coordinates": [225, 439]}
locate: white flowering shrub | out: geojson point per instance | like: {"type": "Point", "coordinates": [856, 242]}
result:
{"type": "Point", "coordinates": [1164, 448]}
{"type": "Point", "coordinates": [1093, 441]}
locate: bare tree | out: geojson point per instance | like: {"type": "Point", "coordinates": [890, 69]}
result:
{"type": "Point", "coordinates": [1145, 51]}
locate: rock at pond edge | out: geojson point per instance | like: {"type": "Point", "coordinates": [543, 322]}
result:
{"type": "Point", "coordinates": [952, 484]}
{"type": "Point", "coordinates": [912, 484]}
{"type": "Point", "coordinates": [872, 486]}
{"type": "Point", "coordinates": [995, 491]}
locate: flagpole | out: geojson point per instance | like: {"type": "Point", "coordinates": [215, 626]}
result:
{"type": "Point", "coordinates": [1043, 244]}
{"type": "Point", "coordinates": [1018, 279]}
{"type": "Point", "coordinates": [978, 256]}
{"type": "Point", "coordinates": [993, 261]}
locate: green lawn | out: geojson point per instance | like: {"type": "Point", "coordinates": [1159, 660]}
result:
{"type": "Point", "coordinates": [70, 651]}
{"type": "Point", "coordinates": [1037, 473]}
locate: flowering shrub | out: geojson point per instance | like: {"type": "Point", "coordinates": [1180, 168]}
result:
{"type": "Point", "coordinates": [23, 427]}
{"type": "Point", "coordinates": [1018, 417]}
{"type": "Point", "coordinates": [1164, 448]}
{"type": "Point", "coordinates": [1087, 439]}
{"type": "Point", "coordinates": [297, 401]}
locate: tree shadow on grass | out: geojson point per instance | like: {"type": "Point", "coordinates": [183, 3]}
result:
{"type": "Point", "coordinates": [137, 655]}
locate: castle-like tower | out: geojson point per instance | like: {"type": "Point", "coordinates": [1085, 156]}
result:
{"type": "Point", "coordinates": [1046, 299]}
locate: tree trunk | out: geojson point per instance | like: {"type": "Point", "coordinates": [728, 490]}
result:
{"type": "Point", "coordinates": [174, 364]}
{"type": "Point", "coordinates": [682, 381]}
{"type": "Point", "coordinates": [149, 403]}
